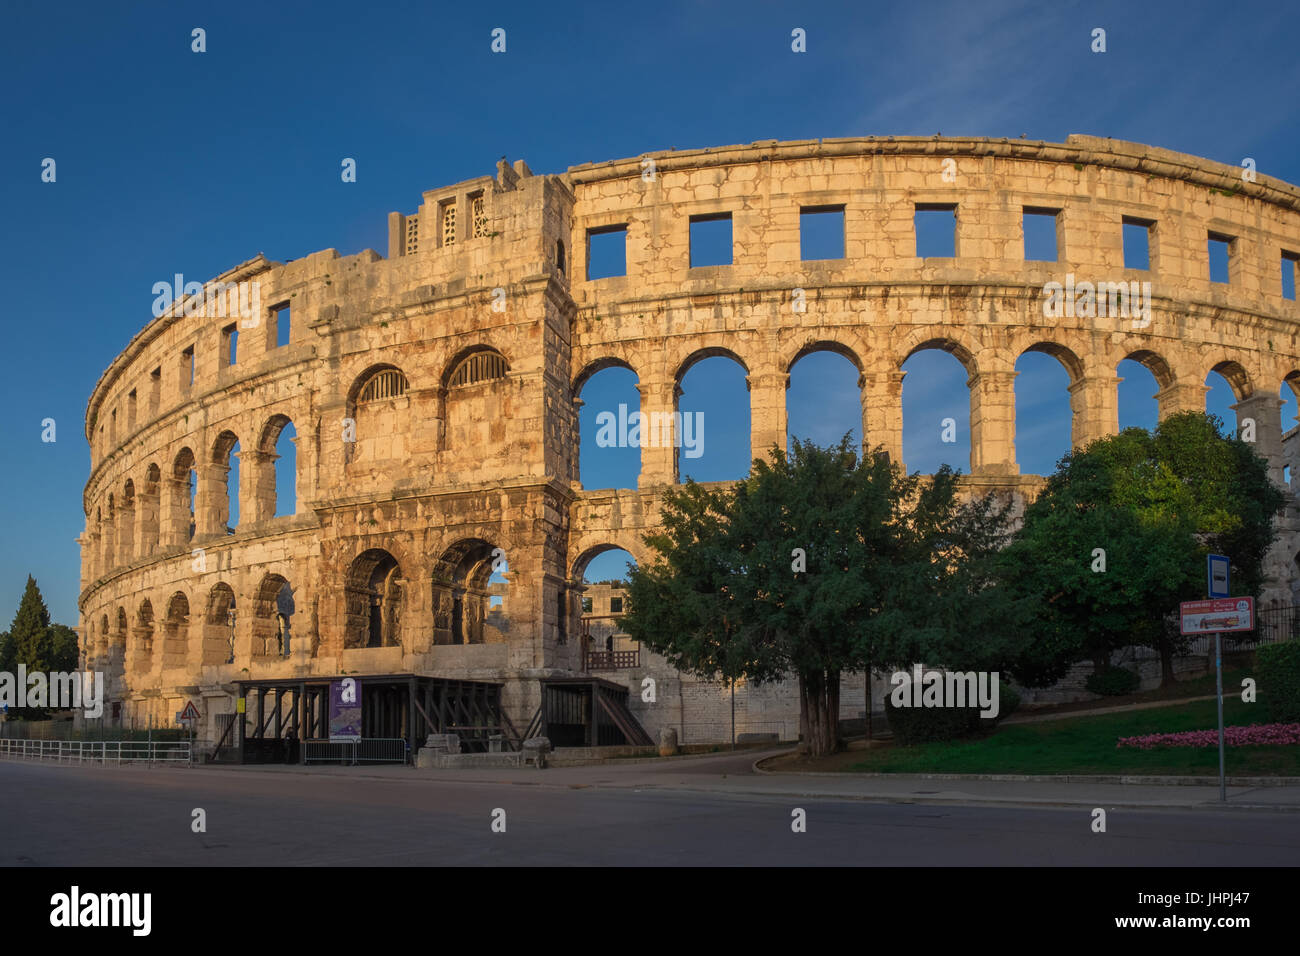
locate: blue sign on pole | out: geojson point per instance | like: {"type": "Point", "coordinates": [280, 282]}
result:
{"type": "Point", "coordinates": [1217, 573]}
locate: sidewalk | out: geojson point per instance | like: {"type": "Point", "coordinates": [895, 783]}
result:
{"type": "Point", "coordinates": [735, 775]}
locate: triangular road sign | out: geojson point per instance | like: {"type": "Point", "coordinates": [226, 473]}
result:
{"type": "Point", "coordinates": [190, 712]}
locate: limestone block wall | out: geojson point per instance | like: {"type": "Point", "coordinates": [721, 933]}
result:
{"type": "Point", "coordinates": [434, 393]}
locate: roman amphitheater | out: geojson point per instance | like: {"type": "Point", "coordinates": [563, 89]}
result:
{"type": "Point", "coordinates": [434, 399]}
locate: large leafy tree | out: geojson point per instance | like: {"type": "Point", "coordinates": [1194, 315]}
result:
{"type": "Point", "coordinates": [815, 565]}
{"type": "Point", "coordinates": [31, 638]}
{"type": "Point", "coordinates": [1119, 536]}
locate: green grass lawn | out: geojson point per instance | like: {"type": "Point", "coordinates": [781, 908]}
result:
{"type": "Point", "coordinates": [1087, 745]}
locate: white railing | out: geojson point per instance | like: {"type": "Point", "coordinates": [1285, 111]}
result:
{"type": "Point", "coordinates": [100, 751]}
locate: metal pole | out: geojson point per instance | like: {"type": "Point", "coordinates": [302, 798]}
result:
{"type": "Point", "coordinates": [1218, 683]}
{"type": "Point", "coordinates": [733, 713]}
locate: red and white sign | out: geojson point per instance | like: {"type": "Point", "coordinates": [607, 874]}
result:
{"type": "Point", "coordinates": [190, 712]}
{"type": "Point", "coordinates": [1221, 614]}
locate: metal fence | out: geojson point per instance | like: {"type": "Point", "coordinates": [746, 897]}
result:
{"type": "Point", "coordinates": [173, 752]}
{"type": "Point", "coordinates": [353, 752]}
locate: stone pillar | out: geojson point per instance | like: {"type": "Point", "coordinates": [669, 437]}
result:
{"type": "Point", "coordinates": [211, 501]}
{"type": "Point", "coordinates": [1181, 397]}
{"type": "Point", "coordinates": [108, 544]}
{"type": "Point", "coordinates": [176, 512]}
{"type": "Point", "coordinates": [146, 540]}
{"type": "Point", "coordinates": [575, 441]}
{"type": "Point", "coordinates": [768, 422]}
{"type": "Point", "coordinates": [993, 423]}
{"type": "Point", "coordinates": [1265, 411]}
{"type": "Point", "coordinates": [257, 485]}
{"type": "Point", "coordinates": [1094, 407]}
{"type": "Point", "coordinates": [126, 533]}
{"type": "Point", "coordinates": [658, 461]}
{"type": "Point", "coordinates": [881, 393]}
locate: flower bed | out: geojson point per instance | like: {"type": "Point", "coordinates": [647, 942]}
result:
{"type": "Point", "coordinates": [1251, 736]}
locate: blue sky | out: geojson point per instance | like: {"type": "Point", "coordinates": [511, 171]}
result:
{"type": "Point", "coordinates": [171, 161]}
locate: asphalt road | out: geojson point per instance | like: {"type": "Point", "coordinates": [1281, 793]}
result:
{"type": "Point", "coordinates": [88, 816]}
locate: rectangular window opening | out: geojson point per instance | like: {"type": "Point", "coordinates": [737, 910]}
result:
{"type": "Point", "coordinates": [936, 231]}
{"type": "Point", "coordinates": [187, 368]}
{"type": "Point", "coordinates": [1290, 261]}
{"type": "Point", "coordinates": [1137, 243]}
{"type": "Point", "coordinates": [607, 252]}
{"type": "Point", "coordinates": [1219, 249]}
{"type": "Point", "coordinates": [155, 390]}
{"type": "Point", "coordinates": [711, 240]}
{"type": "Point", "coordinates": [130, 410]}
{"type": "Point", "coordinates": [821, 233]}
{"type": "Point", "coordinates": [282, 318]}
{"type": "Point", "coordinates": [230, 344]}
{"type": "Point", "coordinates": [616, 605]}
{"type": "Point", "coordinates": [1040, 229]}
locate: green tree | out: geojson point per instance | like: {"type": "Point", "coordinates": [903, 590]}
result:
{"type": "Point", "coordinates": [33, 644]}
{"type": "Point", "coordinates": [814, 565]}
{"type": "Point", "coordinates": [65, 649]}
{"type": "Point", "coordinates": [1119, 537]}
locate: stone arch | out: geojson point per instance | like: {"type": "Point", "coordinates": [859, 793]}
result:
{"type": "Point", "coordinates": [272, 616]}
{"type": "Point", "coordinates": [142, 656]}
{"type": "Point", "coordinates": [700, 354]}
{"type": "Point", "coordinates": [1155, 364]}
{"type": "Point", "coordinates": [218, 626]}
{"type": "Point", "coordinates": [788, 393]}
{"type": "Point", "coordinates": [1235, 374]}
{"type": "Point", "coordinates": [176, 630]}
{"type": "Point", "coordinates": [462, 594]}
{"type": "Point", "coordinates": [149, 505]}
{"type": "Point", "coordinates": [680, 433]}
{"type": "Point", "coordinates": [265, 484]}
{"type": "Point", "coordinates": [1060, 416]}
{"type": "Point", "coordinates": [594, 606]}
{"type": "Point", "coordinates": [619, 462]}
{"type": "Point", "coordinates": [475, 365]}
{"type": "Point", "coordinates": [108, 534]}
{"type": "Point", "coordinates": [373, 595]}
{"type": "Point", "coordinates": [824, 345]}
{"type": "Point", "coordinates": [224, 480]}
{"type": "Point", "coordinates": [929, 445]}
{"type": "Point", "coordinates": [476, 402]}
{"type": "Point", "coordinates": [379, 409]}
{"type": "Point", "coordinates": [180, 525]}
{"type": "Point", "coordinates": [956, 342]}
{"type": "Point", "coordinates": [126, 524]}
{"type": "Point", "coordinates": [595, 367]}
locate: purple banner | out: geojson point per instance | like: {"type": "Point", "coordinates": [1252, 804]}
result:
{"type": "Point", "coordinates": [345, 710]}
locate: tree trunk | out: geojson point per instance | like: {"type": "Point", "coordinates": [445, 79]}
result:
{"type": "Point", "coordinates": [1166, 664]}
{"type": "Point", "coordinates": [819, 712]}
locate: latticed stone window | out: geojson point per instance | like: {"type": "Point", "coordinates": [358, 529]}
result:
{"type": "Point", "coordinates": [478, 213]}
{"type": "Point", "coordinates": [448, 223]}
{"type": "Point", "coordinates": [479, 367]}
{"type": "Point", "coordinates": [412, 234]}
{"type": "Point", "coordinates": [385, 384]}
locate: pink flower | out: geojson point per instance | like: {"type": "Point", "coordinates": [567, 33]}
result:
{"type": "Point", "coordinates": [1254, 735]}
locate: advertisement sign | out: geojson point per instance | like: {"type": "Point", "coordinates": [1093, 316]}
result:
{"type": "Point", "coordinates": [1220, 614]}
{"type": "Point", "coordinates": [345, 710]}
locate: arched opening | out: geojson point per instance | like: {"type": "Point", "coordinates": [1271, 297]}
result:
{"type": "Point", "coordinates": [712, 392]}
{"type": "Point", "coordinates": [225, 460]}
{"type": "Point", "coordinates": [277, 480]}
{"type": "Point", "coordinates": [936, 410]}
{"type": "Point", "coordinates": [1138, 405]}
{"type": "Point", "coordinates": [108, 534]}
{"type": "Point", "coordinates": [378, 409]}
{"type": "Point", "coordinates": [603, 572]}
{"type": "Point", "coordinates": [143, 657]}
{"type": "Point", "coordinates": [273, 609]}
{"type": "Point", "coordinates": [471, 594]}
{"type": "Point", "coordinates": [1227, 383]}
{"type": "Point", "coordinates": [610, 406]}
{"type": "Point", "coordinates": [148, 506]}
{"type": "Point", "coordinates": [176, 631]}
{"type": "Point", "coordinates": [184, 492]}
{"type": "Point", "coordinates": [373, 598]}
{"type": "Point", "coordinates": [219, 626]}
{"type": "Point", "coordinates": [126, 524]}
{"type": "Point", "coordinates": [824, 400]}
{"type": "Point", "coordinates": [1044, 418]}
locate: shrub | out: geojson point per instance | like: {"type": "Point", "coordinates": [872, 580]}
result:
{"type": "Point", "coordinates": [1113, 681]}
{"type": "Point", "coordinates": [919, 725]}
{"type": "Point", "coordinates": [1279, 680]}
